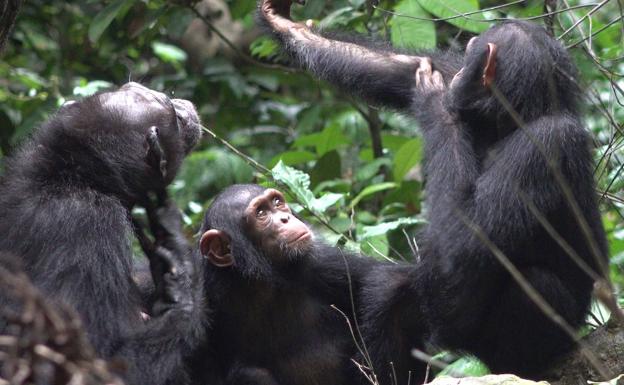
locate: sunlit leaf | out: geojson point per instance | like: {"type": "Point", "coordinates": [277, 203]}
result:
{"type": "Point", "coordinates": [168, 53]}
{"type": "Point", "coordinates": [383, 228]}
{"type": "Point", "coordinates": [465, 367]}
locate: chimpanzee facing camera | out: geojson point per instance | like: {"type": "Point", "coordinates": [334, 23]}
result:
{"type": "Point", "coordinates": [281, 301]}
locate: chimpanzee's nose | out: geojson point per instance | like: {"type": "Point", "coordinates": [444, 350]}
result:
{"type": "Point", "coordinates": [285, 218]}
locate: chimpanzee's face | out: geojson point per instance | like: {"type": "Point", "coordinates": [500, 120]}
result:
{"type": "Point", "coordinates": [275, 229]}
{"type": "Point", "coordinates": [141, 108]}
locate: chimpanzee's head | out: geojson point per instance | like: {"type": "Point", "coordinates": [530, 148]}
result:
{"type": "Point", "coordinates": [125, 142]}
{"type": "Point", "coordinates": [253, 230]}
{"type": "Point", "coordinates": [529, 69]}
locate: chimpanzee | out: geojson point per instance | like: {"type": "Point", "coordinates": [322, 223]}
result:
{"type": "Point", "coordinates": [271, 288]}
{"type": "Point", "coordinates": [508, 167]}
{"type": "Point", "coordinates": [65, 204]}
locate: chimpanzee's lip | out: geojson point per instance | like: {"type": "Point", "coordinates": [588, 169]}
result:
{"type": "Point", "coordinates": [188, 121]}
{"type": "Point", "coordinates": [301, 237]}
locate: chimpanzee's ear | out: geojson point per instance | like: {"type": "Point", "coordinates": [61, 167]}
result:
{"type": "Point", "coordinates": [155, 153]}
{"type": "Point", "coordinates": [215, 246]}
{"type": "Point", "coordinates": [489, 71]}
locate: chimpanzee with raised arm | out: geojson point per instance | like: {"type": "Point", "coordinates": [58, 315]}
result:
{"type": "Point", "coordinates": [508, 176]}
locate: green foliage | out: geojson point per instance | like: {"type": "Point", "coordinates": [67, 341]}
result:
{"type": "Point", "coordinates": [465, 367]}
{"type": "Point", "coordinates": [412, 33]}
{"type": "Point", "coordinates": [316, 142]}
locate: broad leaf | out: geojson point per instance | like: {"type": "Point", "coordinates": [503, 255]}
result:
{"type": "Point", "coordinates": [407, 157]}
{"type": "Point", "coordinates": [409, 32]}
{"type": "Point", "coordinates": [449, 8]}
{"type": "Point", "coordinates": [102, 20]}
{"type": "Point", "coordinates": [371, 190]}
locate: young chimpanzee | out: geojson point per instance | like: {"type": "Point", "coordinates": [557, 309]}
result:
{"type": "Point", "coordinates": [271, 286]}
{"type": "Point", "coordinates": [65, 203]}
{"type": "Point", "coordinates": [508, 166]}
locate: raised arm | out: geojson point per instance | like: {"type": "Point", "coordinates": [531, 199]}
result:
{"type": "Point", "coordinates": [379, 75]}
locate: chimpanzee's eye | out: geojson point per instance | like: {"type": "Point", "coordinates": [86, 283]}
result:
{"type": "Point", "coordinates": [261, 213]}
{"type": "Point", "coordinates": [278, 202]}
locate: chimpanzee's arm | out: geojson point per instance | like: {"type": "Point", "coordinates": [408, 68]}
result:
{"type": "Point", "coordinates": [177, 323]}
{"type": "Point", "coordinates": [379, 75]}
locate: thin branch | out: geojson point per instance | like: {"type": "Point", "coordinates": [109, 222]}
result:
{"type": "Point", "coordinates": [457, 16]}
{"type": "Point", "coordinates": [464, 15]}
{"type": "Point", "coordinates": [579, 21]}
{"type": "Point", "coordinates": [573, 45]}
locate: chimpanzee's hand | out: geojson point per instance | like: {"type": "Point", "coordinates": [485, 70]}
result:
{"type": "Point", "coordinates": [169, 254]}
{"type": "Point", "coordinates": [427, 80]}
{"type": "Point", "coordinates": [277, 14]}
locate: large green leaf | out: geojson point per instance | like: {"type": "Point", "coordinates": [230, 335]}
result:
{"type": "Point", "coordinates": [102, 20]}
{"type": "Point", "coordinates": [407, 157]}
{"type": "Point", "coordinates": [409, 32]}
{"type": "Point", "coordinates": [291, 158]}
{"type": "Point", "coordinates": [371, 190]}
{"type": "Point", "coordinates": [449, 8]}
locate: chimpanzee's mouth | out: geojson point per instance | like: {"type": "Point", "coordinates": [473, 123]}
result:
{"type": "Point", "coordinates": [188, 122]}
{"type": "Point", "coordinates": [301, 237]}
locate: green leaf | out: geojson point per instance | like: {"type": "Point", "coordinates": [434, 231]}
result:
{"type": "Point", "coordinates": [328, 167]}
{"type": "Point", "coordinates": [412, 33]}
{"type": "Point", "coordinates": [330, 139]}
{"type": "Point", "coordinates": [313, 9]}
{"type": "Point", "coordinates": [321, 204]}
{"type": "Point", "coordinates": [383, 228]}
{"type": "Point", "coordinates": [407, 157]}
{"type": "Point", "coordinates": [369, 170]}
{"type": "Point", "coordinates": [102, 20]}
{"type": "Point", "coordinates": [291, 158]}
{"type": "Point", "coordinates": [370, 190]}
{"type": "Point", "coordinates": [448, 8]}
{"type": "Point", "coordinates": [91, 88]}
{"type": "Point", "coordinates": [465, 367]}
{"type": "Point", "coordinates": [298, 182]}
{"type": "Point", "coordinates": [338, 17]}
{"type": "Point", "coordinates": [376, 247]}
{"type": "Point", "coordinates": [168, 53]}
{"type": "Point", "coordinates": [263, 47]}
{"type": "Point", "coordinates": [308, 118]}
{"type": "Point", "coordinates": [28, 78]}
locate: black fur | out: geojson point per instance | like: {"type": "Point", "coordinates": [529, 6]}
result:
{"type": "Point", "coordinates": [275, 325]}
{"type": "Point", "coordinates": [65, 205]}
{"type": "Point", "coordinates": [485, 168]}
